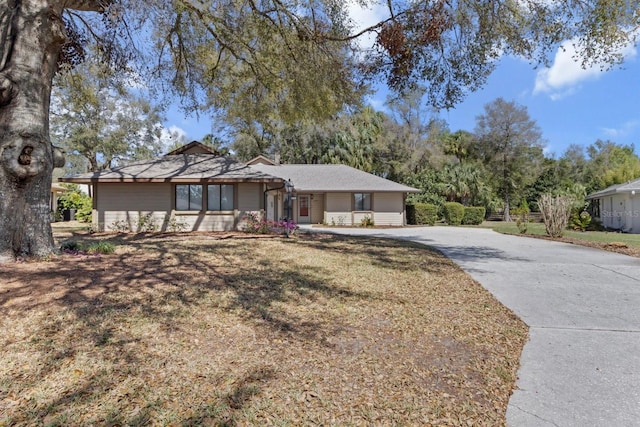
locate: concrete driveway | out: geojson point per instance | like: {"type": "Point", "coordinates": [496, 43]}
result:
{"type": "Point", "coordinates": [581, 366]}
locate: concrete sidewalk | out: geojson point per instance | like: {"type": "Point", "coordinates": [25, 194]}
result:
{"type": "Point", "coordinates": [581, 366]}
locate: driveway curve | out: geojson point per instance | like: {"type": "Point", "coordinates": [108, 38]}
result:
{"type": "Point", "coordinates": [581, 365]}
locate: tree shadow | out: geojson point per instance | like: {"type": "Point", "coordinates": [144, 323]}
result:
{"type": "Point", "coordinates": [161, 281]}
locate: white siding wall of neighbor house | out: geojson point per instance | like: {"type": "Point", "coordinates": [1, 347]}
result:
{"type": "Point", "coordinates": [119, 202]}
{"type": "Point", "coordinates": [635, 213]}
{"type": "Point", "coordinates": [338, 209]}
{"type": "Point", "coordinates": [621, 212]}
{"type": "Point", "coordinates": [388, 209]}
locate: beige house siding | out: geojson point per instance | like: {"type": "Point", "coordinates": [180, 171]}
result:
{"type": "Point", "coordinates": [388, 209]}
{"type": "Point", "coordinates": [249, 200]}
{"type": "Point", "coordinates": [317, 208]}
{"type": "Point", "coordinates": [122, 204]}
{"type": "Point", "coordinates": [338, 209]}
{"type": "Point", "coordinates": [125, 204]}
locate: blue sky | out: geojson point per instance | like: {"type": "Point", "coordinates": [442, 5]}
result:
{"type": "Point", "coordinates": [571, 105]}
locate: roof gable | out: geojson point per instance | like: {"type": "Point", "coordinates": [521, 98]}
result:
{"type": "Point", "coordinates": [194, 147]}
{"type": "Point", "coordinates": [261, 160]}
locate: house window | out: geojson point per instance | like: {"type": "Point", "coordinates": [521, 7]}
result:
{"type": "Point", "coordinates": [362, 201]}
{"type": "Point", "coordinates": [189, 197]}
{"type": "Point", "coordinates": [220, 197]}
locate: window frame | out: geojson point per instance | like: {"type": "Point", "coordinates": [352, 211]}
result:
{"type": "Point", "coordinates": [220, 197]}
{"type": "Point", "coordinates": [189, 198]}
{"type": "Point", "coordinates": [364, 197]}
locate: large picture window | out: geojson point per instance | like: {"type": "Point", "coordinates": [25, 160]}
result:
{"type": "Point", "coordinates": [362, 201]}
{"type": "Point", "coordinates": [220, 197]}
{"type": "Point", "coordinates": [189, 197]}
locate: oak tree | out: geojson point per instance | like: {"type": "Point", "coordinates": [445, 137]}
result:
{"type": "Point", "coordinates": [211, 52]}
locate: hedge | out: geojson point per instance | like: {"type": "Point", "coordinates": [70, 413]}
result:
{"type": "Point", "coordinates": [411, 214]}
{"type": "Point", "coordinates": [425, 213]}
{"type": "Point", "coordinates": [473, 215]}
{"type": "Point", "coordinates": [453, 213]}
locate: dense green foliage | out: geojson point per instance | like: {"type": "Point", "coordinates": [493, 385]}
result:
{"type": "Point", "coordinates": [78, 201]}
{"type": "Point", "coordinates": [473, 215]}
{"type": "Point", "coordinates": [453, 213]}
{"type": "Point", "coordinates": [425, 214]}
{"type": "Point", "coordinates": [99, 121]}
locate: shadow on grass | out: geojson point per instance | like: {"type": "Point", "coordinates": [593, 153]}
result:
{"type": "Point", "coordinates": [161, 282]}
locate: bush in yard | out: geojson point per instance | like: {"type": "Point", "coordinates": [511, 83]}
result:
{"type": "Point", "coordinates": [473, 215]}
{"type": "Point", "coordinates": [522, 215]}
{"type": "Point", "coordinates": [257, 225]}
{"type": "Point", "coordinates": [453, 213]}
{"type": "Point", "coordinates": [555, 213]}
{"type": "Point", "coordinates": [367, 221]}
{"type": "Point", "coordinates": [426, 213]}
{"type": "Point", "coordinates": [78, 201]}
{"type": "Point", "coordinates": [411, 214]}
{"type": "Point", "coordinates": [580, 221]}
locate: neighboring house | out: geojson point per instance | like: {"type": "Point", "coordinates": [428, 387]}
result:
{"type": "Point", "coordinates": [618, 207]}
{"type": "Point", "coordinates": [194, 189]}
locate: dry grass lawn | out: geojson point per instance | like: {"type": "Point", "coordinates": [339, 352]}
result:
{"type": "Point", "coordinates": [197, 330]}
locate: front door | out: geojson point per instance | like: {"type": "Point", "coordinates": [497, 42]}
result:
{"type": "Point", "coordinates": [304, 209]}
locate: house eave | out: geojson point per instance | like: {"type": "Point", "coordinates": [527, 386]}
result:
{"type": "Point", "coordinates": [165, 180]}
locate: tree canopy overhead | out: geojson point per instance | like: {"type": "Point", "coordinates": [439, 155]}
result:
{"type": "Point", "coordinates": [293, 59]}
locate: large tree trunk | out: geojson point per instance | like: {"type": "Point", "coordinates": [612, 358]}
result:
{"type": "Point", "coordinates": [32, 34]}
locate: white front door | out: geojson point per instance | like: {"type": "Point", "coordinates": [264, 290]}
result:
{"type": "Point", "coordinates": [304, 209]}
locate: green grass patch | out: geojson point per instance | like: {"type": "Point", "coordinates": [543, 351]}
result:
{"type": "Point", "coordinates": [631, 240]}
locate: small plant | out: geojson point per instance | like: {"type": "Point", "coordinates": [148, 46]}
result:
{"type": "Point", "coordinates": [70, 246]}
{"type": "Point", "coordinates": [176, 225]}
{"type": "Point", "coordinates": [367, 221]}
{"type": "Point", "coordinates": [120, 226]}
{"type": "Point", "coordinates": [522, 217]}
{"type": "Point", "coordinates": [580, 221]}
{"type": "Point", "coordinates": [147, 223]}
{"type": "Point", "coordinates": [101, 247]}
{"type": "Point", "coordinates": [453, 213]}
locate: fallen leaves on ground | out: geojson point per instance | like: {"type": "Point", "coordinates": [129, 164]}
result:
{"type": "Point", "coordinates": [191, 329]}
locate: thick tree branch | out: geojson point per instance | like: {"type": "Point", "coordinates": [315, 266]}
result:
{"type": "Point", "coordinates": [87, 5]}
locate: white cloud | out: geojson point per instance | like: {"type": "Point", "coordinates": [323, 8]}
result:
{"type": "Point", "coordinates": [169, 136]}
{"type": "Point", "coordinates": [566, 74]}
{"type": "Point", "coordinates": [364, 17]}
{"type": "Point", "coordinates": [622, 131]}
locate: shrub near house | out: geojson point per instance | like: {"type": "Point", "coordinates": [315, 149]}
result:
{"type": "Point", "coordinates": [78, 201]}
{"type": "Point", "coordinates": [453, 213]}
{"type": "Point", "coordinates": [473, 215]}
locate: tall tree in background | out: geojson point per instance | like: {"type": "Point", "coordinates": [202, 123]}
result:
{"type": "Point", "coordinates": [204, 49]}
{"type": "Point", "coordinates": [98, 120]}
{"type": "Point", "coordinates": [510, 143]}
{"type": "Point", "coordinates": [609, 164]}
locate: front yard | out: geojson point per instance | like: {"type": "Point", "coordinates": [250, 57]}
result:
{"type": "Point", "coordinates": [196, 329]}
